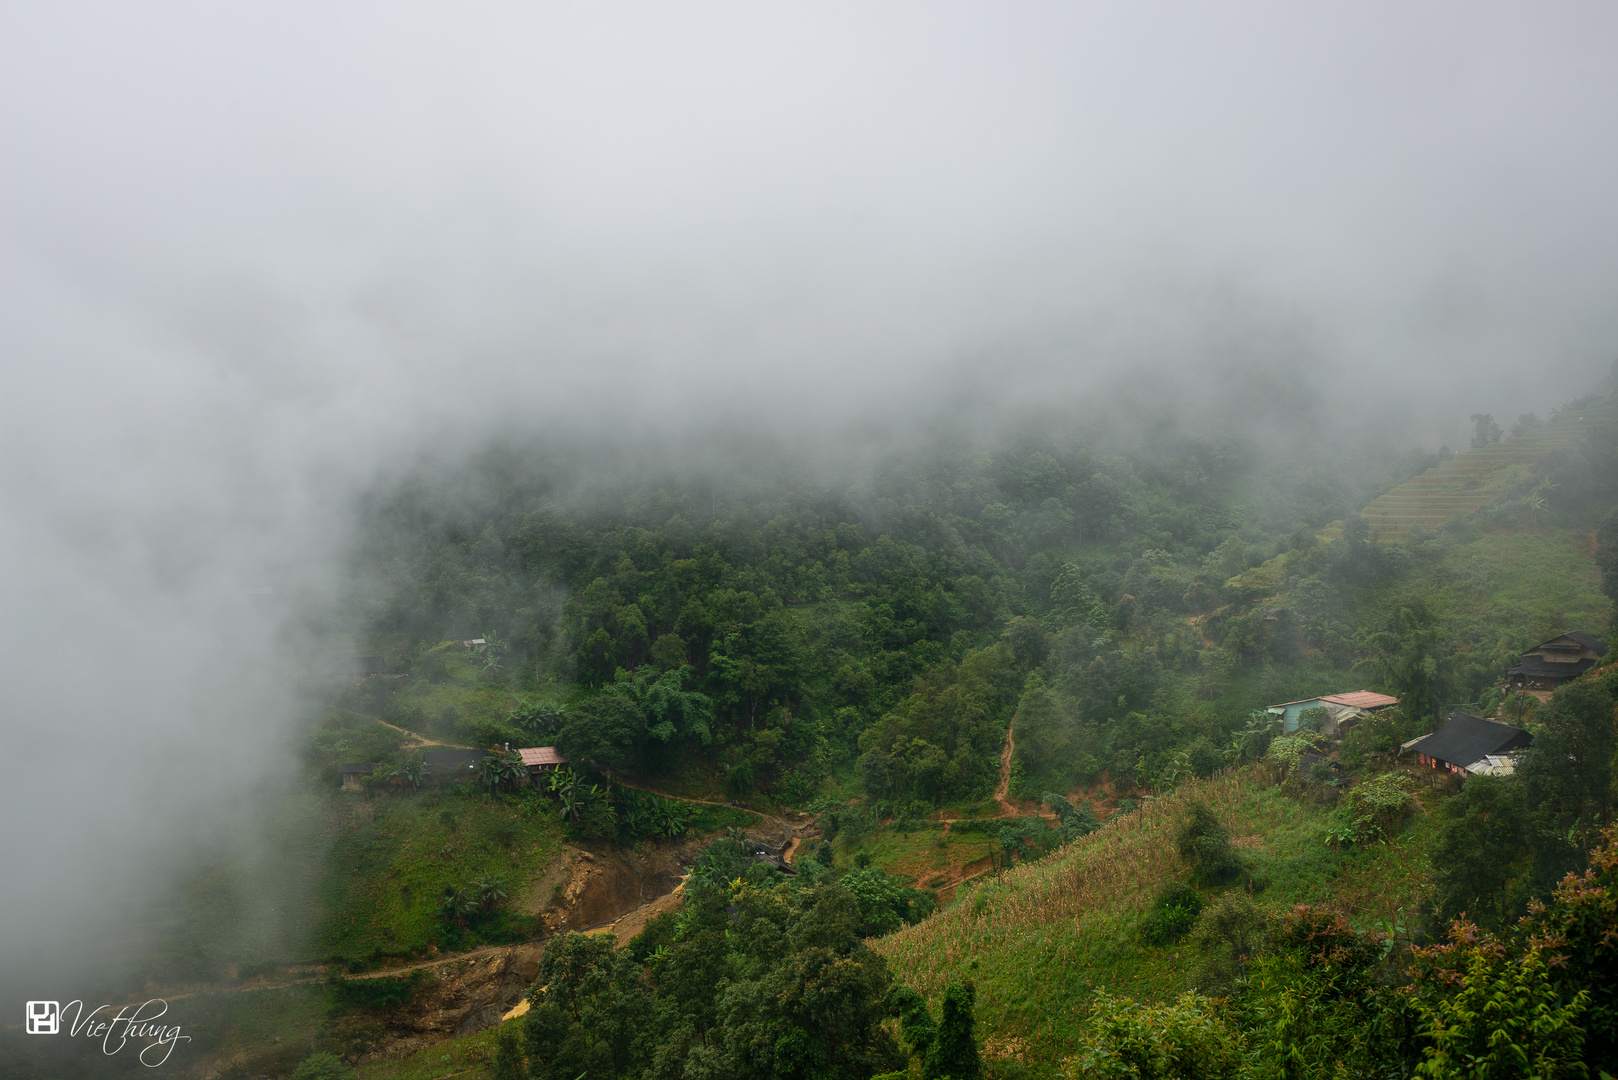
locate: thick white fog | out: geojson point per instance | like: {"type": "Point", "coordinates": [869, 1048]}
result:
{"type": "Point", "coordinates": [250, 254]}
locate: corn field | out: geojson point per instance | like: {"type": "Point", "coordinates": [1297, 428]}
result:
{"type": "Point", "coordinates": [1115, 870]}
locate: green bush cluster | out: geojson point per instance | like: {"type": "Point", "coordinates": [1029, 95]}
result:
{"type": "Point", "coordinates": [1204, 843]}
{"type": "Point", "coordinates": [1173, 913]}
{"type": "Point", "coordinates": [765, 979]}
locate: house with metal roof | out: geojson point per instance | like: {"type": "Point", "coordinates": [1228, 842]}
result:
{"type": "Point", "coordinates": [1470, 745]}
{"type": "Point", "coordinates": [1552, 663]}
{"type": "Point", "coordinates": [1342, 710]}
{"type": "Point", "coordinates": [541, 758]}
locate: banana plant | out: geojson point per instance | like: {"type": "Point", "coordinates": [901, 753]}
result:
{"type": "Point", "coordinates": [672, 821]}
{"type": "Point", "coordinates": [410, 772]}
{"type": "Point", "coordinates": [488, 892]}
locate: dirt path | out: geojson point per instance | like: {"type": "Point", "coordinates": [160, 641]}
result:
{"type": "Point", "coordinates": [321, 974]}
{"type": "Point", "coordinates": [1003, 787]}
{"type": "Point", "coordinates": [420, 740]}
{"type": "Point", "coordinates": [684, 798]}
{"type": "Point", "coordinates": [1002, 791]}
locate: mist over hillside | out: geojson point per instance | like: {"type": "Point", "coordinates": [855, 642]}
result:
{"type": "Point", "coordinates": [272, 273]}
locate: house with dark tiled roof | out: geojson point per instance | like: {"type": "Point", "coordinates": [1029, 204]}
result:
{"type": "Point", "coordinates": [1552, 663]}
{"type": "Point", "coordinates": [1469, 745]}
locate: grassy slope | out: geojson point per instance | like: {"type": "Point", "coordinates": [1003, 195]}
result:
{"type": "Point", "coordinates": [1040, 937]}
{"type": "Point", "coordinates": [393, 857]}
{"type": "Point", "coordinates": [1533, 583]}
{"type": "Point", "coordinates": [461, 693]}
{"type": "Point", "coordinates": [455, 1057]}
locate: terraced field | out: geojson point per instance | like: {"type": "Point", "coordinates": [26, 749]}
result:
{"type": "Point", "coordinates": [1467, 482]}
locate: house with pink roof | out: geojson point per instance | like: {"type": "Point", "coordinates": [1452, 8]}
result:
{"type": "Point", "coordinates": [1342, 710]}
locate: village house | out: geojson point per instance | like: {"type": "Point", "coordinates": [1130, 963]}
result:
{"type": "Point", "coordinates": [1469, 745]}
{"type": "Point", "coordinates": [541, 759]}
{"type": "Point", "coordinates": [1552, 663]}
{"type": "Point", "coordinates": [354, 774]}
{"type": "Point", "coordinates": [1343, 711]}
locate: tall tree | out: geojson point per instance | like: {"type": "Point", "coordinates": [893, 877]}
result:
{"type": "Point", "coordinates": [1411, 659]}
{"type": "Point", "coordinates": [584, 1010]}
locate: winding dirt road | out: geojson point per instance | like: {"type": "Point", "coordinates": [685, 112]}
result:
{"type": "Point", "coordinates": [1003, 787]}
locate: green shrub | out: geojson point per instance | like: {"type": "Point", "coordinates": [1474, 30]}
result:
{"type": "Point", "coordinates": [946, 1047]}
{"type": "Point", "coordinates": [1376, 810]}
{"type": "Point", "coordinates": [1204, 757]}
{"type": "Point", "coordinates": [380, 993]}
{"type": "Point", "coordinates": [1173, 913]}
{"type": "Point", "coordinates": [322, 1067]}
{"type": "Point", "coordinates": [1379, 733]}
{"type": "Point", "coordinates": [1205, 844]}
{"type": "Point", "coordinates": [886, 901]}
{"type": "Point", "coordinates": [1313, 719]}
{"type": "Point", "coordinates": [1228, 933]}
{"type": "Point", "coordinates": [1186, 1040]}
{"type": "Point", "coordinates": [508, 1055]}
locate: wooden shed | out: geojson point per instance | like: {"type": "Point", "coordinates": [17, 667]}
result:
{"type": "Point", "coordinates": [354, 774]}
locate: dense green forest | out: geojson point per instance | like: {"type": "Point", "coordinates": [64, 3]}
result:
{"type": "Point", "coordinates": [786, 626]}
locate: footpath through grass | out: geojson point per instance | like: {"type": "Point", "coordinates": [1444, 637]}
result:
{"type": "Point", "coordinates": [1040, 938]}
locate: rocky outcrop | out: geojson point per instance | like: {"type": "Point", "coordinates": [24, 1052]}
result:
{"type": "Point", "coordinates": [465, 996]}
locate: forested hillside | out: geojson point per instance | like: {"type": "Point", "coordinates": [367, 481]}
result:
{"type": "Point", "coordinates": [1048, 656]}
{"type": "Point", "coordinates": [785, 625]}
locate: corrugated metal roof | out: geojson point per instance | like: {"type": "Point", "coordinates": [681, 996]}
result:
{"type": "Point", "coordinates": [1362, 699]}
{"type": "Point", "coordinates": [1359, 699]}
{"type": "Point", "coordinates": [1467, 738]}
{"type": "Point", "coordinates": [541, 755]}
